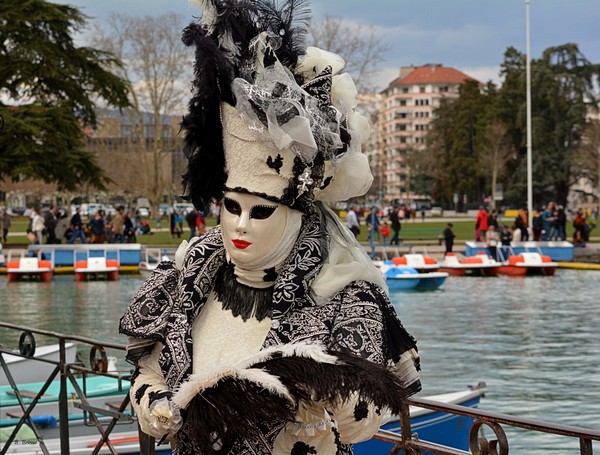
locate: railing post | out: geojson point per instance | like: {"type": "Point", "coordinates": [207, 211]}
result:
{"type": "Point", "coordinates": [147, 443]}
{"type": "Point", "coordinates": [63, 409]}
{"type": "Point", "coordinates": [585, 446]}
{"type": "Point", "coordinates": [405, 428]}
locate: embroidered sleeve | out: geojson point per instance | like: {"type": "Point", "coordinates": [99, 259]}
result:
{"type": "Point", "coordinates": [149, 309]}
{"type": "Point", "coordinates": [147, 387]}
{"type": "Point", "coordinates": [367, 327]}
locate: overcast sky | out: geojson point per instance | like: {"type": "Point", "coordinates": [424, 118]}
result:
{"type": "Point", "coordinates": [470, 35]}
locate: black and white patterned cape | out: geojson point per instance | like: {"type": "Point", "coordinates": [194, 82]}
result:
{"type": "Point", "coordinates": [358, 320]}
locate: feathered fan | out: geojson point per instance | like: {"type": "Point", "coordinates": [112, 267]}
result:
{"type": "Point", "coordinates": [231, 403]}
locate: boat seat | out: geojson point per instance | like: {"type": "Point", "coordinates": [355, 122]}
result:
{"type": "Point", "coordinates": [26, 394]}
{"type": "Point", "coordinates": [19, 414]}
{"type": "Point", "coordinates": [117, 404]}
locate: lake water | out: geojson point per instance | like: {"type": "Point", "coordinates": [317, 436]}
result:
{"type": "Point", "coordinates": [534, 341]}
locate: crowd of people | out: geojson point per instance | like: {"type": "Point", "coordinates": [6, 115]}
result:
{"type": "Point", "coordinates": [548, 224]}
{"type": "Point", "coordinates": [55, 226]}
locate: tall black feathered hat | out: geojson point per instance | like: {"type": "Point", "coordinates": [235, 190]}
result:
{"type": "Point", "coordinates": [269, 116]}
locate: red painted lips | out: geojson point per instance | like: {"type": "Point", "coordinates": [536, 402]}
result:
{"type": "Point", "coordinates": [241, 244]}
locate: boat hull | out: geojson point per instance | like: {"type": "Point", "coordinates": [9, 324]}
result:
{"type": "Point", "coordinates": [438, 427]}
{"type": "Point", "coordinates": [97, 268]}
{"type": "Point", "coordinates": [29, 269]}
{"type": "Point", "coordinates": [25, 370]}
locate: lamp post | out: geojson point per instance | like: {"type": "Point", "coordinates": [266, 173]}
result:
{"type": "Point", "coordinates": [528, 89]}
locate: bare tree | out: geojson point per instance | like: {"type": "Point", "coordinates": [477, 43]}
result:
{"type": "Point", "coordinates": [157, 66]}
{"type": "Point", "coordinates": [359, 44]}
{"type": "Point", "coordinates": [498, 150]}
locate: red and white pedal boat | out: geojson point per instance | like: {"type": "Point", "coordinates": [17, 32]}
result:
{"type": "Point", "coordinates": [481, 265]}
{"type": "Point", "coordinates": [419, 262]}
{"type": "Point", "coordinates": [29, 268]}
{"type": "Point", "coordinates": [528, 263]}
{"type": "Point", "coordinates": [97, 267]}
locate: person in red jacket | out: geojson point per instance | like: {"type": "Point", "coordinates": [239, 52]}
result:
{"type": "Point", "coordinates": [481, 224]}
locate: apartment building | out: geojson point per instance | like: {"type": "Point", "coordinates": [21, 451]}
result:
{"type": "Point", "coordinates": [407, 110]}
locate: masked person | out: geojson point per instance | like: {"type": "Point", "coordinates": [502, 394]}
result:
{"type": "Point", "coordinates": [273, 332]}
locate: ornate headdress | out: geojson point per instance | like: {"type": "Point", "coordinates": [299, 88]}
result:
{"type": "Point", "coordinates": [269, 116]}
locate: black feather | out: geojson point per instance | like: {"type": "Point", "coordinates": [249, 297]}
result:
{"type": "Point", "coordinates": [203, 144]}
{"type": "Point", "coordinates": [233, 409]}
{"type": "Point", "coordinates": [334, 383]}
{"type": "Point", "coordinates": [289, 21]}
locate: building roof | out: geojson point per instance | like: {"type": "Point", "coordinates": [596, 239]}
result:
{"type": "Point", "coordinates": [432, 74]}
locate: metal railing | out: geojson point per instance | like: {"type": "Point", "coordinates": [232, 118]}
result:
{"type": "Point", "coordinates": [105, 420]}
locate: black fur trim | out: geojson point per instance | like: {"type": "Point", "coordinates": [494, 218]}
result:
{"type": "Point", "coordinates": [240, 299]}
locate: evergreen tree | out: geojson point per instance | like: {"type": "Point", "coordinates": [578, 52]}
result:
{"type": "Point", "coordinates": [564, 87]}
{"type": "Point", "coordinates": [454, 145]}
{"type": "Point", "coordinates": [52, 85]}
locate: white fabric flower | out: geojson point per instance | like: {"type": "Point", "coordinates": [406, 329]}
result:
{"type": "Point", "coordinates": [352, 178]}
{"type": "Point", "coordinates": [344, 92]}
{"type": "Point", "coordinates": [360, 125]}
{"type": "Point", "coordinates": [315, 60]}
{"type": "Point", "coordinates": [164, 417]}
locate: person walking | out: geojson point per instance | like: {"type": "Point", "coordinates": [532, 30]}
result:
{"type": "Point", "coordinates": [352, 221]}
{"type": "Point", "coordinates": [77, 227]}
{"type": "Point", "coordinates": [394, 217]}
{"type": "Point", "coordinates": [5, 223]}
{"type": "Point", "coordinates": [373, 228]}
{"type": "Point", "coordinates": [191, 218]}
{"type": "Point", "coordinates": [50, 220]}
{"type": "Point", "coordinates": [448, 238]}
{"type": "Point", "coordinates": [481, 224]}
{"type": "Point", "coordinates": [97, 227]}
{"type": "Point", "coordinates": [548, 219]}
{"type": "Point", "coordinates": [37, 226]}
{"type": "Point", "coordinates": [62, 225]}
{"type": "Point", "coordinates": [537, 223]}
{"type": "Point", "coordinates": [118, 225]}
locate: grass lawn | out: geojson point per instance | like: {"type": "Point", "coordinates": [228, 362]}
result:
{"type": "Point", "coordinates": [427, 232]}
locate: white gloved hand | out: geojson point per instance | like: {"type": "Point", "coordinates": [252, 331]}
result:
{"type": "Point", "coordinates": [164, 417]}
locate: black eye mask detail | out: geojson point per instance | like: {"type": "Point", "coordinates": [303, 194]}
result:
{"type": "Point", "coordinates": [232, 206]}
{"type": "Point", "coordinates": [262, 212]}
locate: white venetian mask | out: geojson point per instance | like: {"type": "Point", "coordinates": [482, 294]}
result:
{"type": "Point", "coordinates": [253, 229]}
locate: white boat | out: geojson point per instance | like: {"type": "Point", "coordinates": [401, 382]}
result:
{"type": "Point", "coordinates": [25, 370]}
{"type": "Point", "coordinates": [124, 442]}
